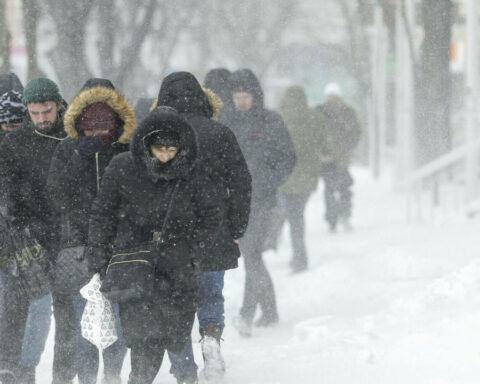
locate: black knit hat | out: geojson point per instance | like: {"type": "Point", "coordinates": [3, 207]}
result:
{"type": "Point", "coordinates": [11, 108]}
{"type": "Point", "coordinates": [163, 138]}
{"type": "Point", "coordinates": [40, 90]}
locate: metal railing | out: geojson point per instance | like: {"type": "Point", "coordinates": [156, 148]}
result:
{"type": "Point", "coordinates": [445, 184]}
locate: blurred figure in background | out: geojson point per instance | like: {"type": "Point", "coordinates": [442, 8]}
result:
{"type": "Point", "coordinates": [270, 155]}
{"type": "Point", "coordinates": [305, 127]}
{"type": "Point", "coordinates": [342, 134]}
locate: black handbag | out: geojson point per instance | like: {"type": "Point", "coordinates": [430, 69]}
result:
{"type": "Point", "coordinates": [71, 270]}
{"type": "Point", "coordinates": [29, 265]}
{"type": "Point", "coordinates": [130, 272]}
{"type": "Point", "coordinates": [130, 275]}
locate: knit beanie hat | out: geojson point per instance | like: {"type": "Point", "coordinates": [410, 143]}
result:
{"type": "Point", "coordinates": [97, 116]}
{"type": "Point", "coordinates": [163, 138]}
{"type": "Point", "coordinates": [40, 90]}
{"type": "Point", "coordinates": [11, 108]}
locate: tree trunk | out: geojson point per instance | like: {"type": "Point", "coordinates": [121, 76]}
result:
{"type": "Point", "coordinates": [30, 21]}
{"type": "Point", "coordinates": [68, 57]}
{"type": "Point", "coordinates": [4, 39]}
{"type": "Point", "coordinates": [433, 97]}
{"type": "Point", "coordinates": [106, 43]}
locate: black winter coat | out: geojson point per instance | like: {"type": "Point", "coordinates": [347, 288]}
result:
{"type": "Point", "coordinates": [25, 156]}
{"type": "Point", "coordinates": [220, 157]}
{"type": "Point", "coordinates": [263, 138]}
{"type": "Point", "coordinates": [73, 181]}
{"type": "Point", "coordinates": [131, 206]}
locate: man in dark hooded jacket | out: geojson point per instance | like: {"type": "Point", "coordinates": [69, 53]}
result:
{"type": "Point", "coordinates": [99, 122]}
{"type": "Point", "coordinates": [270, 155]}
{"type": "Point", "coordinates": [25, 156]}
{"type": "Point", "coordinates": [220, 156]}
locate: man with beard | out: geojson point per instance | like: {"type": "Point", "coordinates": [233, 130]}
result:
{"type": "Point", "coordinates": [25, 156]}
{"type": "Point", "coordinates": [270, 155]}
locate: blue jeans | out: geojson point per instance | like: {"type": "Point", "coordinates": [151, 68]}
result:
{"type": "Point", "coordinates": [37, 328]}
{"type": "Point", "coordinates": [210, 311]}
{"type": "Point", "coordinates": [86, 354]}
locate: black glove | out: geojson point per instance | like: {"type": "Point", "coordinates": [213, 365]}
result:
{"type": "Point", "coordinates": [88, 146]}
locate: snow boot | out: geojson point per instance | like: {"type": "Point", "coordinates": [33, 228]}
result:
{"type": "Point", "coordinates": [214, 365]}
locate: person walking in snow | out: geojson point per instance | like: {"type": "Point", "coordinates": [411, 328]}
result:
{"type": "Point", "coordinates": [12, 114]}
{"type": "Point", "coordinates": [305, 127]}
{"type": "Point", "coordinates": [99, 123]}
{"type": "Point", "coordinates": [270, 155]}
{"type": "Point", "coordinates": [221, 157]}
{"type": "Point", "coordinates": [25, 155]}
{"type": "Point", "coordinates": [156, 199]}
{"type": "Point", "coordinates": [342, 134]}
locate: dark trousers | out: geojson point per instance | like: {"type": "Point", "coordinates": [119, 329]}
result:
{"type": "Point", "coordinates": [13, 321]}
{"type": "Point", "coordinates": [258, 283]}
{"type": "Point", "coordinates": [87, 354]}
{"type": "Point", "coordinates": [295, 214]}
{"type": "Point", "coordinates": [338, 196]}
{"type": "Point", "coordinates": [12, 329]}
{"type": "Point", "coordinates": [65, 336]}
{"type": "Point", "coordinates": [146, 359]}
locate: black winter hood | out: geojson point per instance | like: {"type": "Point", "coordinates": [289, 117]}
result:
{"type": "Point", "coordinates": [166, 120]}
{"type": "Point", "coordinates": [97, 90]}
{"type": "Point", "coordinates": [182, 91]}
{"type": "Point", "coordinates": [217, 80]}
{"type": "Point", "coordinates": [244, 80]}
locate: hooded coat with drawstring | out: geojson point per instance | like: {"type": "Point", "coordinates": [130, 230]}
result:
{"type": "Point", "coordinates": [220, 156]}
{"type": "Point", "coordinates": [73, 183]}
{"type": "Point", "coordinates": [135, 194]}
{"type": "Point", "coordinates": [74, 180]}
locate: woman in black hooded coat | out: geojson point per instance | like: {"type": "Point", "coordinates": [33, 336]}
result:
{"type": "Point", "coordinates": [137, 191]}
{"type": "Point", "coordinates": [76, 169]}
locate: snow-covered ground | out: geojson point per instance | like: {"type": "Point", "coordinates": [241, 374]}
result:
{"type": "Point", "coordinates": [388, 303]}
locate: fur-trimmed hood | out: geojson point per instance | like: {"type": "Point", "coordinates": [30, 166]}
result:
{"type": "Point", "coordinates": [165, 119]}
{"type": "Point", "coordinates": [182, 91]}
{"type": "Point", "coordinates": [100, 91]}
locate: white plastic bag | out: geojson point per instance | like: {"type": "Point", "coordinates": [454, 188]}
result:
{"type": "Point", "coordinates": [98, 320]}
